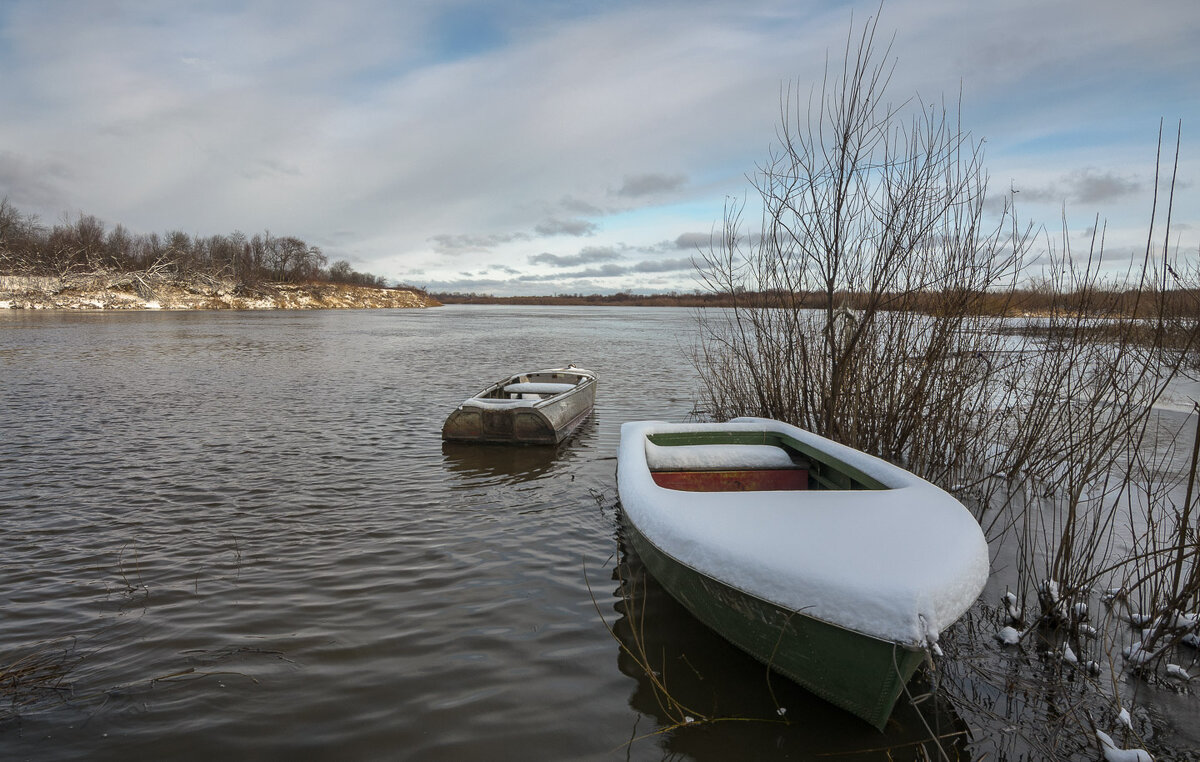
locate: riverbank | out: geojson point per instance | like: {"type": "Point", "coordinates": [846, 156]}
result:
{"type": "Point", "coordinates": [1175, 304]}
{"type": "Point", "coordinates": [146, 291]}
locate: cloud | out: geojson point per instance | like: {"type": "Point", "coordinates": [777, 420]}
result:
{"type": "Point", "coordinates": [267, 167]}
{"type": "Point", "coordinates": [604, 271]}
{"type": "Point", "coordinates": [644, 277]}
{"type": "Point", "coordinates": [1084, 186]}
{"type": "Point", "coordinates": [638, 186]}
{"type": "Point", "coordinates": [579, 206]}
{"type": "Point", "coordinates": [1090, 186]}
{"type": "Point", "coordinates": [693, 241]}
{"type": "Point", "coordinates": [32, 182]}
{"type": "Point", "coordinates": [462, 243]}
{"type": "Point", "coordinates": [663, 266]}
{"type": "Point", "coordinates": [588, 255]}
{"type": "Point", "coordinates": [488, 285]}
{"type": "Point", "coordinates": [575, 227]}
{"type": "Point", "coordinates": [430, 134]}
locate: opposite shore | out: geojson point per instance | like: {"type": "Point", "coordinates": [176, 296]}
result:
{"type": "Point", "coordinates": [146, 291]}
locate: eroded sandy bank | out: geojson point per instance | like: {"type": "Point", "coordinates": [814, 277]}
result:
{"type": "Point", "coordinates": [138, 291]}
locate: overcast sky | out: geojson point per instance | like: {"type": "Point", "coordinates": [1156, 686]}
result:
{"type": "Point", "coordinates": [541, 147]}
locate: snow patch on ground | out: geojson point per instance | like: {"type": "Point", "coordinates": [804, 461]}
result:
{"type": "Point", "coordinates": [140, 291]}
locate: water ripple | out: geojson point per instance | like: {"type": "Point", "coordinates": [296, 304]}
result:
{"type": "Point", "coordinates": [248, 530]}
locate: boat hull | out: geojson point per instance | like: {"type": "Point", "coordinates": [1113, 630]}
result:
{"type": "Point", "coordinates": [859, 673]}
{"type": "Point", "coordinates": [835, 568]}
{"type": "Point", "coordinates": [549, 422]}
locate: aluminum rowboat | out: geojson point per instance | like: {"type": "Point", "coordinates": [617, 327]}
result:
{"type": "Point", "coordinates": [539, 407]}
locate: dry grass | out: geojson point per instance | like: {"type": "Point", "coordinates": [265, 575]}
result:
{"type": "Point", "coordinates": [38, 678]}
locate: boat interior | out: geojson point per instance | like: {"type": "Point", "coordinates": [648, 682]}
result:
{"type": "Point", "coordinates": [809, 468]}
{"type": "Point", "coordinates": [535, 386]}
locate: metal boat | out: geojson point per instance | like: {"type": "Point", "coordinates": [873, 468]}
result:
{"type": "Point", "coordinates": [833, 567]}
{"type": "Point", "coordinates": [538, 407]}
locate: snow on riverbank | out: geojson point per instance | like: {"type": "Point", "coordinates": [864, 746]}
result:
{"type": "Point", "coordinates": [132, 291]}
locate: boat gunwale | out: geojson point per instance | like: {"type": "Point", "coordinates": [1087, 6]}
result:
{"type": "Point", "coordinates": [769, 437]}
{"type": "Point", "coordinates": [588, 381]}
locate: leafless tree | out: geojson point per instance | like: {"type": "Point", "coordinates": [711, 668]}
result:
{"type": "Point", "coordinates": [864, 212]}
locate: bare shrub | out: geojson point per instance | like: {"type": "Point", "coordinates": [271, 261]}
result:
{"type": "Point", "coordinates": [876, 306]}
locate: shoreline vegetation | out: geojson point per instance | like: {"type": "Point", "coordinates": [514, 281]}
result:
{"type": "Point", "coordinates": [1044, 425]}
{"type": "Point", "coordinates": [1036, 301]}
{"type": "Point", "coordinates": [82, 265]}
{"type": "Point", "coordinates": [1111, 314]}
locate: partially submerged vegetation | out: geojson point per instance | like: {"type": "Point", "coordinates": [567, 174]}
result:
{"type": "Point", "coordinates": [82, 265]}
{"type": "Point", "coordinates": [879, 305]}
{"type": "Point", "coordinates": [37, 678]}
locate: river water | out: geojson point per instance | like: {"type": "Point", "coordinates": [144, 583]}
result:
{"type": "Point", "coordinates": [231, 534]}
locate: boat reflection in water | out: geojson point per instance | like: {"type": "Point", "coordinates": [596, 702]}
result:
{"type": "Point", "coordinates": [507, 465]}
{"type": "Point", "coordinates": [685, 670]}
{"type": "Point", "coordinates": [512, 465]}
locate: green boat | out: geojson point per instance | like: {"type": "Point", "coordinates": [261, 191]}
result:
{"type": "Point", "coordinates": [835, 568]}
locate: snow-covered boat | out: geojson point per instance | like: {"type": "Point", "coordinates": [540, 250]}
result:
{"type": "Point", "coordinates": [835, 568]}
{"type": "Point", "coordinates": [539, 407]}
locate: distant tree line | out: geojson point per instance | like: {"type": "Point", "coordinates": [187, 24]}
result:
{"type": "Point", "coordinates": [28, 247]}
{"type": "Point", "coordinates": [621, 299]}
{"type": "Point", "coordinates": [1036, 299]}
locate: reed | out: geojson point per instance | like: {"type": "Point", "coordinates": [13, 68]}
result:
{"type": "Point", "coordinates": [38, 678]}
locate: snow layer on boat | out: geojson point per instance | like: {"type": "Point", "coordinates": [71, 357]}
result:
{"type": "Point", "coordinates": [899, 564]}
{"type": "Point", "coordinates": [716, 457]}
{"type": "Point", "coordinates": [496, 404]}
{"type": "Point", "coordinates": [538, 388]}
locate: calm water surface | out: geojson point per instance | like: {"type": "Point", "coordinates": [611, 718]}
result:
{"type": "Point", "coordinates": [243, 537]}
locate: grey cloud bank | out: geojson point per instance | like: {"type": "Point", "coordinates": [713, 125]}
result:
{"type": "Point", "coordinates": [562, 138]}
